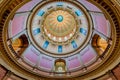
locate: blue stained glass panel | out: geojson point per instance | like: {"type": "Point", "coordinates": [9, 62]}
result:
{"type": "Point", "coordinates": [59, 48]}
{"type": "Point", "coordinates": [60, 4]}
{"type": "Point", "coordinates": [41, 13]}
{"type": "Point", "coordinates": [45, 45]}
{"type": "Point", "coordinates": [78, 12]}
{"type": "Point", "coordinates": [36, 31]}
{"type": "Point", "coordinates": [83, 31]}
{"type": "Point", "coordinates": [74, 44]}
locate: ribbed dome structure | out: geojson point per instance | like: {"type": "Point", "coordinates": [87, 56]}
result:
{"type": "Point", "coordinates": [60, 25]}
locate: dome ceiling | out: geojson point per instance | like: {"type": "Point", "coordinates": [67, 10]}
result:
{"type": "Point", "coordinates": [60, 38]}
{"type": "Point", "coordinates": [59, 29]}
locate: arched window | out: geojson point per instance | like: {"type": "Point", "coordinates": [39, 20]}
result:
{"type": "Point", "coordinates": [100, 44]}
{"type": "Point", "coordinates": [60, 65]}
{"type": "Point", "coordinates": [20, 44]}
